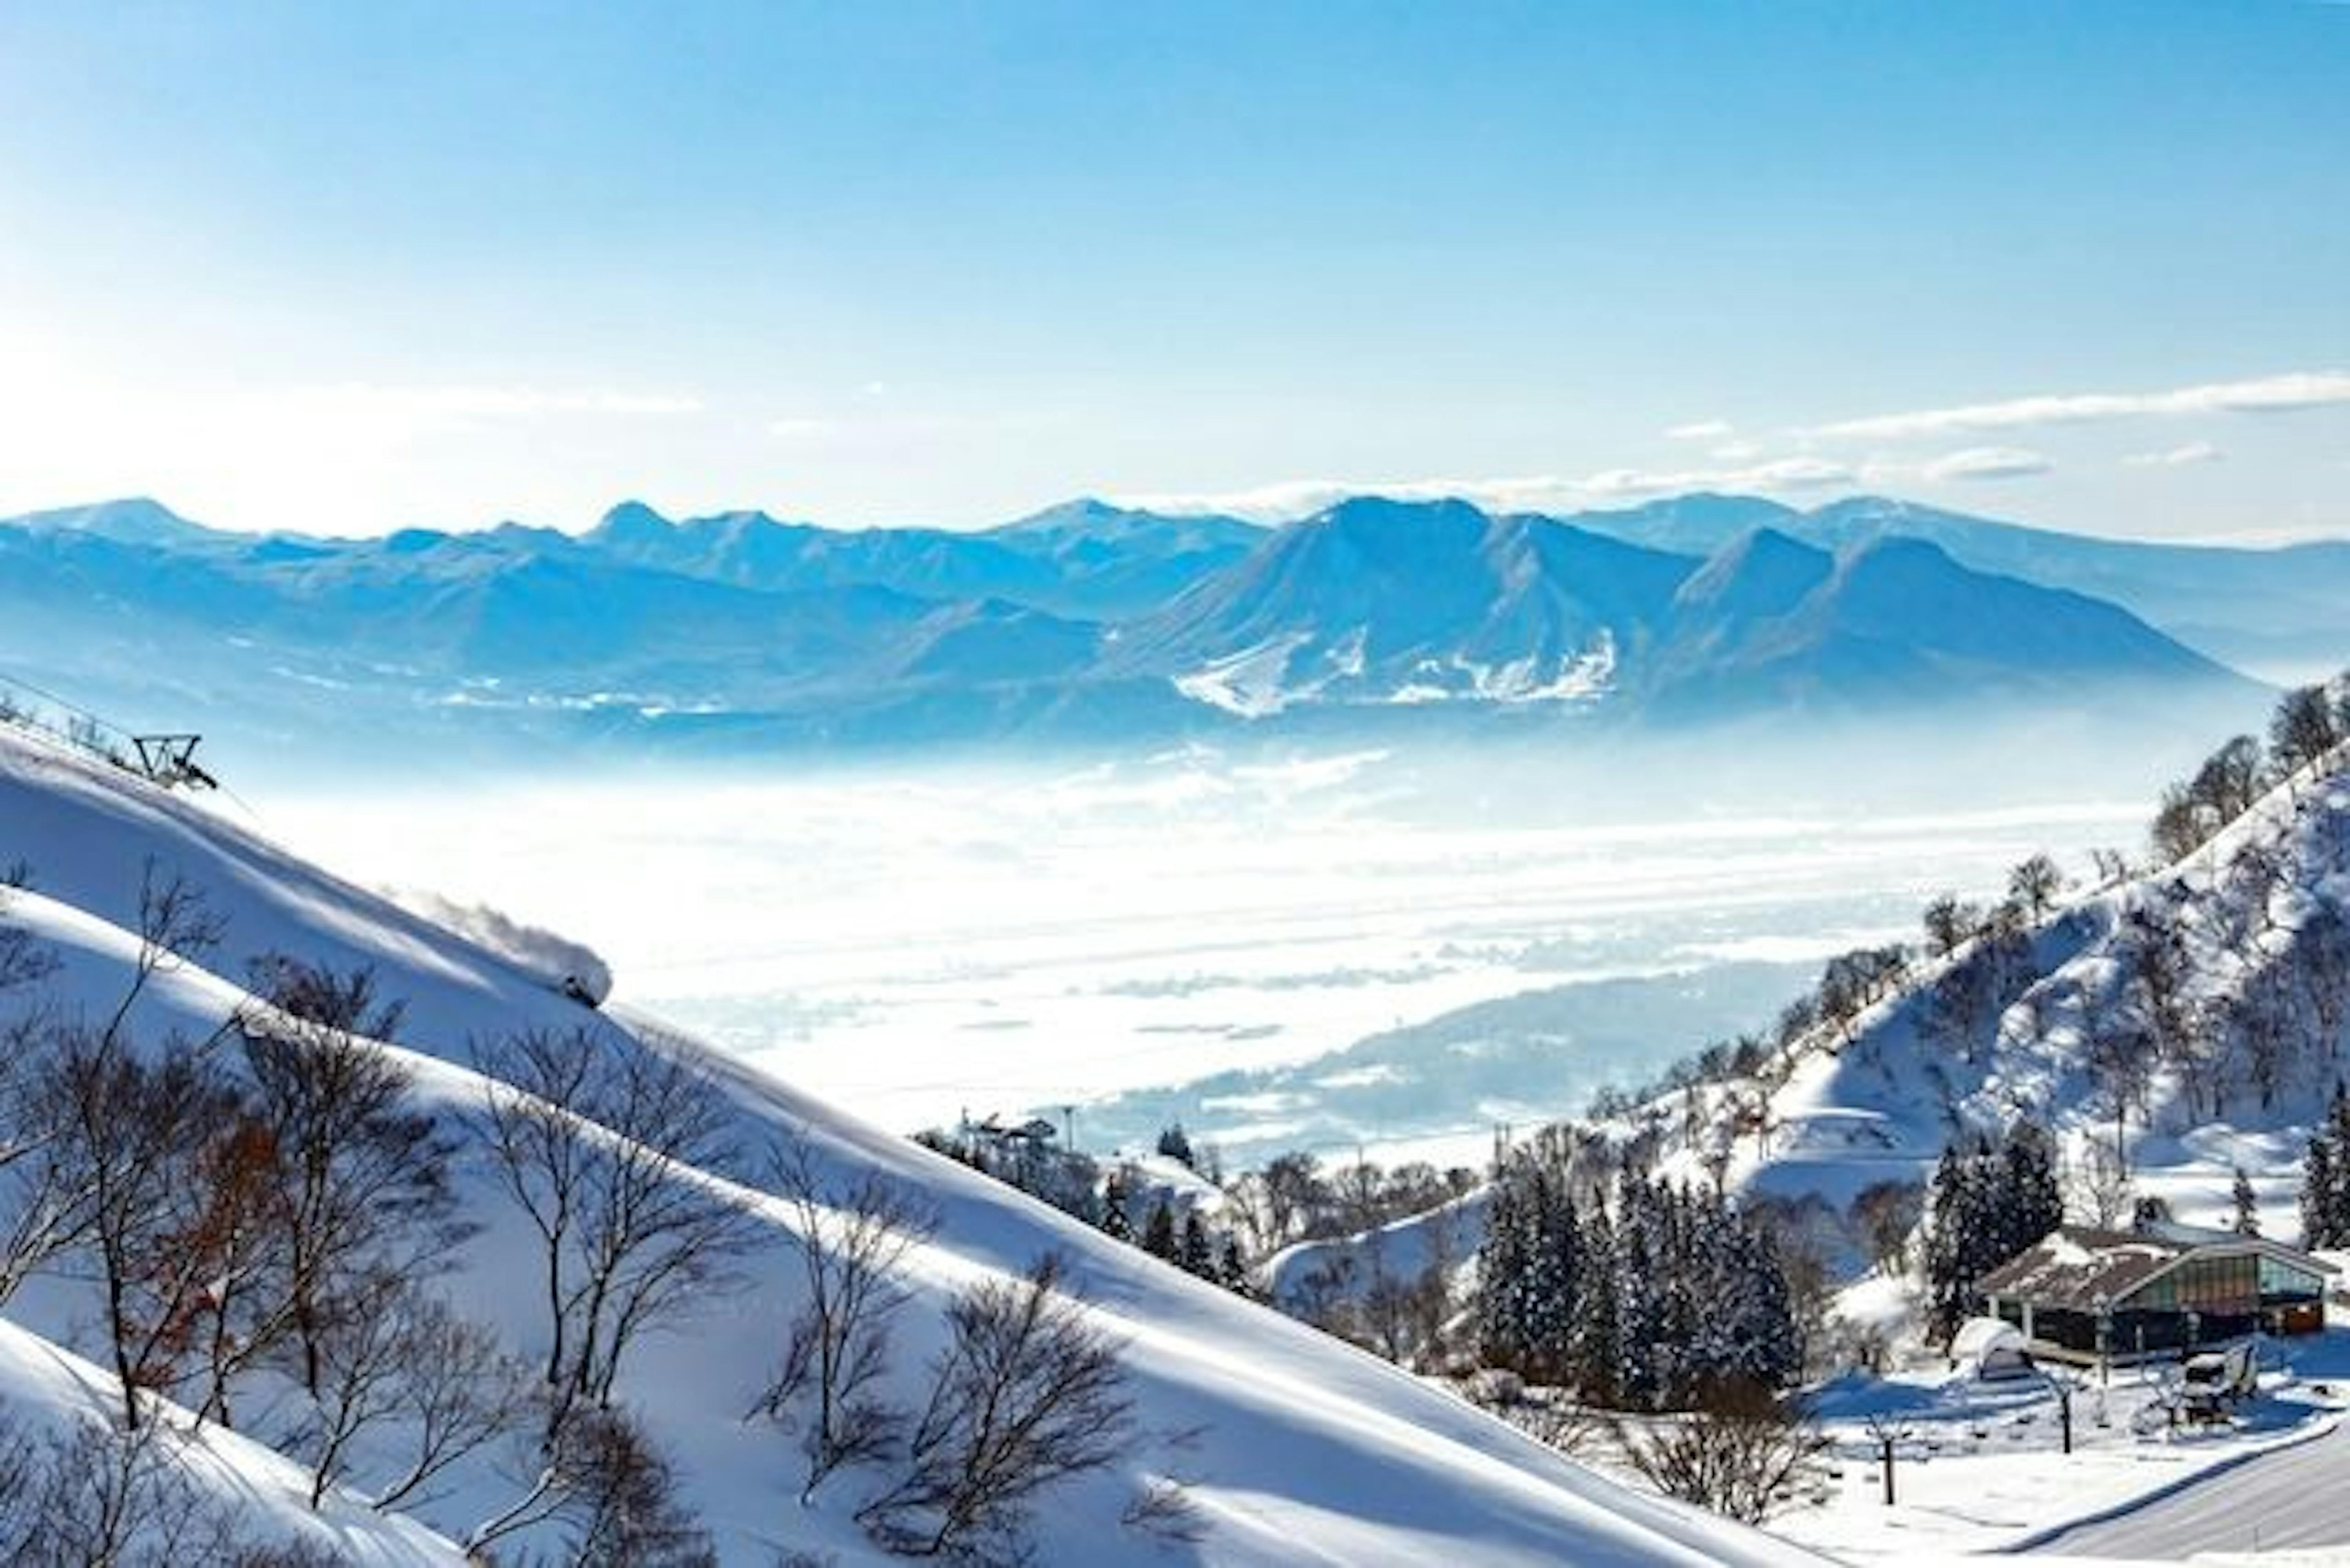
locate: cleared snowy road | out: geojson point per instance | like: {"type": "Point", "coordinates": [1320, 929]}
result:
{"type": "Point", "coordinates": [2297, 1496]}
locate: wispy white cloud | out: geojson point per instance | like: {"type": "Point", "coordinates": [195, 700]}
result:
{"type": "Point", "coordinates": [1701, 430]}
{"type": "Point", "coordinates": [2181, 456]}
{"type": "Point", "coordinates": [1777, 474]}
{"type": "Point", "coordinates": [2268, 394]}
{"type": "Point", "coordinates": [1984, 462]}
{"type": "Point", "coordinates": [1290, 499]}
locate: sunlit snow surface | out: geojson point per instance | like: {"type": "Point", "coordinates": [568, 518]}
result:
{"type": "Point", "coordinates": [928, 939]}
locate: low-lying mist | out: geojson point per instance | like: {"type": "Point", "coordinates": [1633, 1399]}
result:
{"type": "Point", "coordinates": [1328, 944]}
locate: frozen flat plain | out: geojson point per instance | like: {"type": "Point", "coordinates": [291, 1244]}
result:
{"type": "Point", "coordinates": [923, 942]}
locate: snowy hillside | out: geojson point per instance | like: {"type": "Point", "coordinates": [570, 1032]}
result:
{"type": "Point", "coordinates": [1286, 1444]}
{"type": "Point", "coordinates": [2168, 1027]}
{"type": "Point", "coordinates": [2196, 1007]}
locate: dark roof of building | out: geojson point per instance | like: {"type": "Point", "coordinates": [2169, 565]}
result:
{"type": "Point", "coordinates": [2074, 1267]}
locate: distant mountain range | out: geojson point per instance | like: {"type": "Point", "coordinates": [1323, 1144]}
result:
{"type": "Point", "coordinates": [1091, 620]}
{"type": "Point", "coordinates": [2284, 610]}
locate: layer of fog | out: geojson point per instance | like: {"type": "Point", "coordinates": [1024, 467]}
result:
{"type": "Point", "coordinates": [1202, 933]}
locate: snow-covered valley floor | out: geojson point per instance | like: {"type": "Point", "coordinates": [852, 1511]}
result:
{"type": "Point", "coordinates": [929, 941]}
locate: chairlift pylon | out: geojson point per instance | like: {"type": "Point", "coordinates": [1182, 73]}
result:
{"type": "Point", "coordinates": [168, 761]}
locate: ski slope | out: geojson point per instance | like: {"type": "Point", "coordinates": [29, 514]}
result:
{"type": "Point", "coordinates": [1300, 1448]}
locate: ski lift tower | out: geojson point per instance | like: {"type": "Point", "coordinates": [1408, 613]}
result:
{"type": "Point", "coordinates": [168, 761]}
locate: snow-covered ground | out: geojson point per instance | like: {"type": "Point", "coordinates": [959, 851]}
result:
{"type": "Point", "coordinates": [1981, 1469]}
{"type": "Point", "coordinates": [1301, 1448]}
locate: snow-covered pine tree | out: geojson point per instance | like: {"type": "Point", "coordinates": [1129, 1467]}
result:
{"type": "Point", "coordinates": [1596, 1360]}
{"type": "Point", "coordinates": [2317, 1184]}
{"type": "Point", "coordinates": [2248, 1205]}
{"type": "Point", "coordinates": [1498, 1314]}
{"type": "Point", "coordinates": [1197, 1255]}
{"type": "Point", "coordinates": [1948, 1221]}
{"type": "Point", "coordinates": [1115, 1223]}
{"type": "Point", "coordinates": [1552, 1281]}
{"type": "Point", "coordinates": [1158, 1232]}
{"type": "Point", "coordinates": [2031, 1199]}
{"type": "Point", "coordinates": [1639, 1246]}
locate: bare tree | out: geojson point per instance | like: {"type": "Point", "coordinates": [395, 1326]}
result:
{"type": "Point", "coordinates": [1741, 1454]}
{"type": "Point", "coordinates": [2101, 1185]}
{"type": "Point", "coordinates": [1888, 1431]}
{"type": "Point", "coordinates": [1885, 1215]}
{"type": "Point", "coordinates": [101, 1495]}
{"type": "Point", "coordinates": [24, 959]}
{"type": "Point", "coordinates": [2120, 1052]}
{"type": "Point", "coordinates": [1027, 1393]}
{"type": "Point", "coordinates": [610, 1150]}
{"type": "Point", "coordinates": [46, 1184]}
{"type": "Point", "coordinates": [2231, 778]}
{"type": "Point", "coordinates": [135, 1142]}
{"type": "Point", "coordinates": [175, 925]}
{"type": "Point", "coordinates": [359, 1173]}
{"type": "Point", "coordinates": [2302, 729]}
{"type": "Point", "coordinates": [2036, 884]}
{"type": "Point", "coordinates": [853, 1237]}
{"type": "Point", "coordinates": [397, 1356]}
{"type": "Point", "coordinates": [240, 1233]}
{"type": "Point", "coordinates": [2319, 965]}
{"type": "Point", "coordinates": [1949, 923]}
{"type": "Point", "coordinates": [603, 1483]}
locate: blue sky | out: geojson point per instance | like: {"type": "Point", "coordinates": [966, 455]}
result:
{"type": "Point", "coordinates": [352, 266]}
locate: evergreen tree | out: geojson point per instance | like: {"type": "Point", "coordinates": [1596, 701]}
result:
{"type": "Point", "coordinates": [1231, 1273]}
{"type": "Point", "coordinates": [1553, 1280]}
{"type": "Point", "coordinates": [1114, 1220]}
{"type": "Point", "coordinates": [1197, 1256]}
{"type": "Point", "coordinates": [1947, 1220]}
{"type": "Point", "coordinates": [1499, 1314]}
{"type": "Point", "coordinates": [2247, 1205]}
{"type": "Point", "coordinates": [2031, 1202]}
{"type": "Point", "coordinates": [1689, 1339]}
{"type": "Point", "coordinates": [1987, 1205]}
{"type": "Point", "coordinates": [1638, 1314]}
{"type": "Point", "coordinates": [1176, 1144]}
{"type": "Point", "coordinates": [1656, 1300]}
{"type": "Point", "coordinates": [1595, 1359]}
{"type": "Point", "coordinates": [2319, 1180]}
{"type": "Point", "coordinates": [1158, 1232]}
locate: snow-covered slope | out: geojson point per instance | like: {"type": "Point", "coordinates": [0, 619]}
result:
{"type": "Point", "coordinates": [2253, 931]}
{"type": "Point", "coordinates": [2244, 912]}
{"type": "Point", "coordinates": [1303, 1448]}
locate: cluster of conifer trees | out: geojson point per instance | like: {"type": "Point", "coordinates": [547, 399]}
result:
{"type": "Point", "coordinates": [1988, 1202]}
{"type": "Point", "coordinates": [1653, 1298]}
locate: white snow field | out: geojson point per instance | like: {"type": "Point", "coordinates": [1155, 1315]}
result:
{"type": "Point", "coordinates": [1980, 1467]}
{"type": "Point", "coordinates": [1303, 1450]}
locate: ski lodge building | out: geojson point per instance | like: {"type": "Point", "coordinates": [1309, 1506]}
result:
{"type": "Point", "coordinates": [2080, 1294]}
